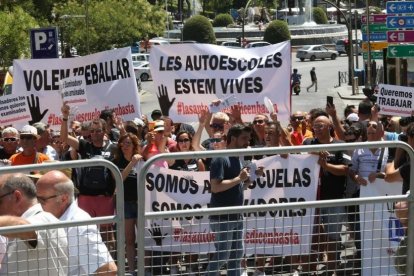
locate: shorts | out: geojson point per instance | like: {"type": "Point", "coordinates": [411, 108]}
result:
{"type": "Point", "coordinates": [97, 206]}
{"type": "Point", "coordinates": [332, 219]}
{"type": "Point", "coordinates": [131, 209]}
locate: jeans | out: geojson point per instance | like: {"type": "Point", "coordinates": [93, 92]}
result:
{"type": "Point", "coordinates": [229, 247]}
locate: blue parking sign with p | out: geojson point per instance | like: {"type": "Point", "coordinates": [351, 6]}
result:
{"type": "Point", "coordinates": [44, 43]}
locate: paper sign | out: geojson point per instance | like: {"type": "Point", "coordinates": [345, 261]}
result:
{"type": "Point", "coordinates": [224, 103]}
{"type": "Point", "coordinates": [73, 91]}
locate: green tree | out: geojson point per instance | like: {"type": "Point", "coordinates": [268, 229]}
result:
{"type": "Point", "coordinates": [223, 20]}
{"type": "Point", "coordinates": [14, 35]}
{"type": "Point", "coordinates": [319, 16]}
{"type": "Point", "coordinates": [277, 31]}
{"type": "Point", "coordinates": [111, 23]}
{"type": "Point", "coordinates": [199, 28]}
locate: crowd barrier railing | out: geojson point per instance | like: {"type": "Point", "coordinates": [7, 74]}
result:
{"type": "Point", "coordinates": [117, 220]}
{"type": "Point", "coordinates": [377, 204]}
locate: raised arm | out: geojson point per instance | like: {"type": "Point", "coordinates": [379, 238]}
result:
{"type": "Point", "coordinates": [202, 120]}
{"type": "Point", "coordinates": [64, 134]}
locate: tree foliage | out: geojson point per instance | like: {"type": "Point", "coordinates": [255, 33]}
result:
{"type": "Point", "coordinates": [111, 23]}
{"type": "Point", "coordinates": [277, 31]}
{"type": "Point", "coordinates": [319, 16]}
{"type": "Point", "coordinates": [199, 28]}
{"type": "Point", "coordinates": [222, 20]}
{"type": "Point", "coordinates": [14, 35]}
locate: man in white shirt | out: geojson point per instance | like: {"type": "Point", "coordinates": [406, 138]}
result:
{"type": "Point", "coordinates": [87, 253]}
{"type": "Point", "coordinates": [40, 252]}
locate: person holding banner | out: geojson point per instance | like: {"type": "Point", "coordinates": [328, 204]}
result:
{"type": "Point", "coordinates": [228, 178]}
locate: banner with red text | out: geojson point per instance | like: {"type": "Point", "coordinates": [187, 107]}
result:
{"type": "Point", "coordinates": [189, 77]}
{"type": "Point", "coordinates": [109, 83]}
{"type": "Point", "coordinates": [293, 179]}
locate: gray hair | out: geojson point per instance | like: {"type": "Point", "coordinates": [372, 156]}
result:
{"type": "Point", "coordinates": [22, 183]}
{"type": "Point", "coordinates": [10, 130]}
{"type": "Point", "coordinates": [68, 188]}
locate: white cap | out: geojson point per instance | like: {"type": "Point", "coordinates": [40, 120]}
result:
{"type": "Point", "coordinates": [353, 117]}
{"type": "Point", "coordinates": [159, 125]}
{"type": "Point", "coordinates": [29, 130]}
{"type": "Point", "coordinates": [138, 122]}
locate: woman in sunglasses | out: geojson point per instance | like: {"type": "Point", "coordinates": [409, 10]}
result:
{"type": "Point", "coordinates": [184, 144]}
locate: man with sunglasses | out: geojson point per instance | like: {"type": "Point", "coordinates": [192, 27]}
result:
{"type": "Point", "coordinates": [300, 131]}
{"type": "Point", "coordinates": [29, 154]}
{"type": "Point", "coordinates": [40, 252]}
{"type": "Point", "coordinates": [9, 143]}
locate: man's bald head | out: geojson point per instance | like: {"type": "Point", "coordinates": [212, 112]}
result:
{"type": "Point", "coordinates": [52, 178]}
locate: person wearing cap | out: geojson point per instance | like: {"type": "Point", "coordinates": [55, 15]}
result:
{"type": "Point", "coordinates": [157, 143]}
{"type": "Point", "coordinates": [352, 118]}
{"type": "Point", "coordinates": [29, 154]}
{"type": "Point", "coordinates": [55, 192]}
{"type": "Point", "coordinates": [9, 142]}
{"type": "Point", "coordinates": [44, 141]}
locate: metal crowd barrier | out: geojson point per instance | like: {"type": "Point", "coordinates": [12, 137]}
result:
{"type": "Point", "coordinates": [117, 220]}
{"type": "Point", "coordinates": [144, 216]}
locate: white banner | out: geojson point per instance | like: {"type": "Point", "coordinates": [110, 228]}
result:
{"type": "Point", "coordinates": [380, 229]}
{"type": "Point", "coordinates": [110, 83]}
{"type": "Point", "coordinates": [189, 77]}
{"type": "Point", "coordinates": [395, 100]}
{"type": "Point", "coordinates": [286, 232]}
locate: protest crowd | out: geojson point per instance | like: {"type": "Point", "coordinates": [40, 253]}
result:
{"type": "Point", "coordinates": [89, 192]}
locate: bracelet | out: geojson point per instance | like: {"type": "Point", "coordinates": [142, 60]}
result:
{"type": "Point", "coordinates": [65, 119]}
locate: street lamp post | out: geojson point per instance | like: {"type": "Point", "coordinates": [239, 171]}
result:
{"type": "Point", "coordinates": [243, 17]}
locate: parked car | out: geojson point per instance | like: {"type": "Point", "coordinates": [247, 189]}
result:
{"type": "Point", "coordinates": [313, 52]}
{"type": "Point", "coordinates": [138, 59]}
{"type": "Point", "coordinates": [231, 44]}
{"type": "Point", "coordinates": [341, 46]}
{"type": "Point", "coordinates": [257, 44]}
{"type": "Point", "coordinates": [142, 71]}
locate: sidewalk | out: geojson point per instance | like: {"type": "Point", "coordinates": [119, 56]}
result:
{"type": "Point", "coordinates": [345, 92]}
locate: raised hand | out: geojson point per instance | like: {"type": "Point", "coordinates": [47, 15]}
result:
{"type": "Point", "coordinates": [156, 234]}
{"type": "Point", "coordinates": [164, 100]}
{"type": "Point", "coordinates": [34, 108]}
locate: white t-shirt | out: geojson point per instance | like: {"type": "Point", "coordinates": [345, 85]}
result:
{"type": "Point", "coordinates": [48, 256]}
{"type": "Point", "coordinates": [87, 252]}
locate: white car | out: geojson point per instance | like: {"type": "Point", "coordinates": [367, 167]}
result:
{"type": "Point", "coordinates": [257, 44]}
{"type": "Point", "coordinates": [313, 52]}
{"type": "Point", "coordinates": [139, 58]}
{"type": "Point", "coordinates": [142, 71]}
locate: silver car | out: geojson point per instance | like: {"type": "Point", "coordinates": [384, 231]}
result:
{"type": "Point", "coordinates": [313, 52]}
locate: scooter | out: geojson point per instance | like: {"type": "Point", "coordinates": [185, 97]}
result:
{"type": "Point", "coordinates": [296, 87]}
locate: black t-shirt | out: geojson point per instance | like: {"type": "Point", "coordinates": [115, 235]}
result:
{"type": "Point", "coordinates": [88, 151]}
{"type": "Point", "coordinates": [225, 168]}
{"type": "Point", "coordinates": [4, 154]}
{"type": "Point", "coordinates": [131, 182]}
{"type": "Point", "coordinates": [405, 174]}
{"type": "Point", "coordinates": [332, 186]}
{"type": "Point", "coordinates": [181, 165]}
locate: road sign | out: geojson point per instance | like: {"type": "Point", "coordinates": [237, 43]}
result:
{"type": "Point", "coordinates": [375, 46]}
{"type": "Point", "coordinates": [400, 51]}
{"type": "Point", "coordinates": [395, 22]}
{"type": "Point", "coordinates": [44, 42]}
{"type": "Point", "coordinates": [400, 36]}
{"type": "Point", "coordinates": [400, 7]}
{"type": "Point", "coordinates": [374, 18]}
{"type": "Point", "coordinates": [374, 37]}
{"type": "Point", "coordinates": [375, 28]}
{"type": "Point", "coordinates": [374, 55]}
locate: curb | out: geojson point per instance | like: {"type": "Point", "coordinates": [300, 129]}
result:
{"type": "Point", "coordinates": [357, 97]}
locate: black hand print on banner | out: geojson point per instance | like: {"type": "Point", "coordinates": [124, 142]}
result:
{"type": "Point", "coordinates": [34, 108]}
{"type": "Point", "coordinates": [164, 100]}
{"type": "Point", "coordinates": [156, 234]}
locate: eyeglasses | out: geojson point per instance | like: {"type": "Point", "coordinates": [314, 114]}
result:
{"type": "Point", "coordinates": [217, 126]}
{"type": "Point", "coordinates": [26, 137]}
{"type": "Point", "coordinates": [260, 122]}
{"type": "Point", "coordinates": [373, 125]}
{"type": "Point", "coordinates": [185, 140]}
{"type": "Point", "coordinates": [6, 194]}
{"type": "Point", "coordinates": [126, 143]}
{"type": "Point", "coordinates": [215, 140]}
{"type": "Point", "coordinates": [319, 126]}
{"type": "Point", "coordinates": [11, 139]}
{"type": "Point", "coordinates": [95, 130]}
{"type": "Point", "coordinates": [299, 118]}
{"type": "Point", "coordinates": [44, 199]}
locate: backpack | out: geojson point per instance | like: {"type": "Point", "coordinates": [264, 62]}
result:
{"type": "Point", "coordinates": [96, 180]}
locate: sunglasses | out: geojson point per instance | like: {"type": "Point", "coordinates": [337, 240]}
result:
{"type": "Point", "coordinates": [215, 140]}
{"type": "Point", "coordinates": [26, 137]}
{"type": "Point", "coordinates": [217, 126]}
{"type": "Point", "coordinates": [300, 118]}
{"type": "Point", "coordinates": [12, 139]}
{"type": "Point", "coordinates": [126, 143]}
{"type": "Point", "coordinates": [260, 122]}
{"type": "Point", "coordinates": [44, 199]}
{"type": "Point", "coordinates": [6, 194]}
{"type": "Point", "coordinates": [185, 140]}
{"type": "Point", "coordinates": [350, 140]}
{"type": "Point", "coordinates": [372, 125]}
{"type": "Point", "coordinates": [95, 130]}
